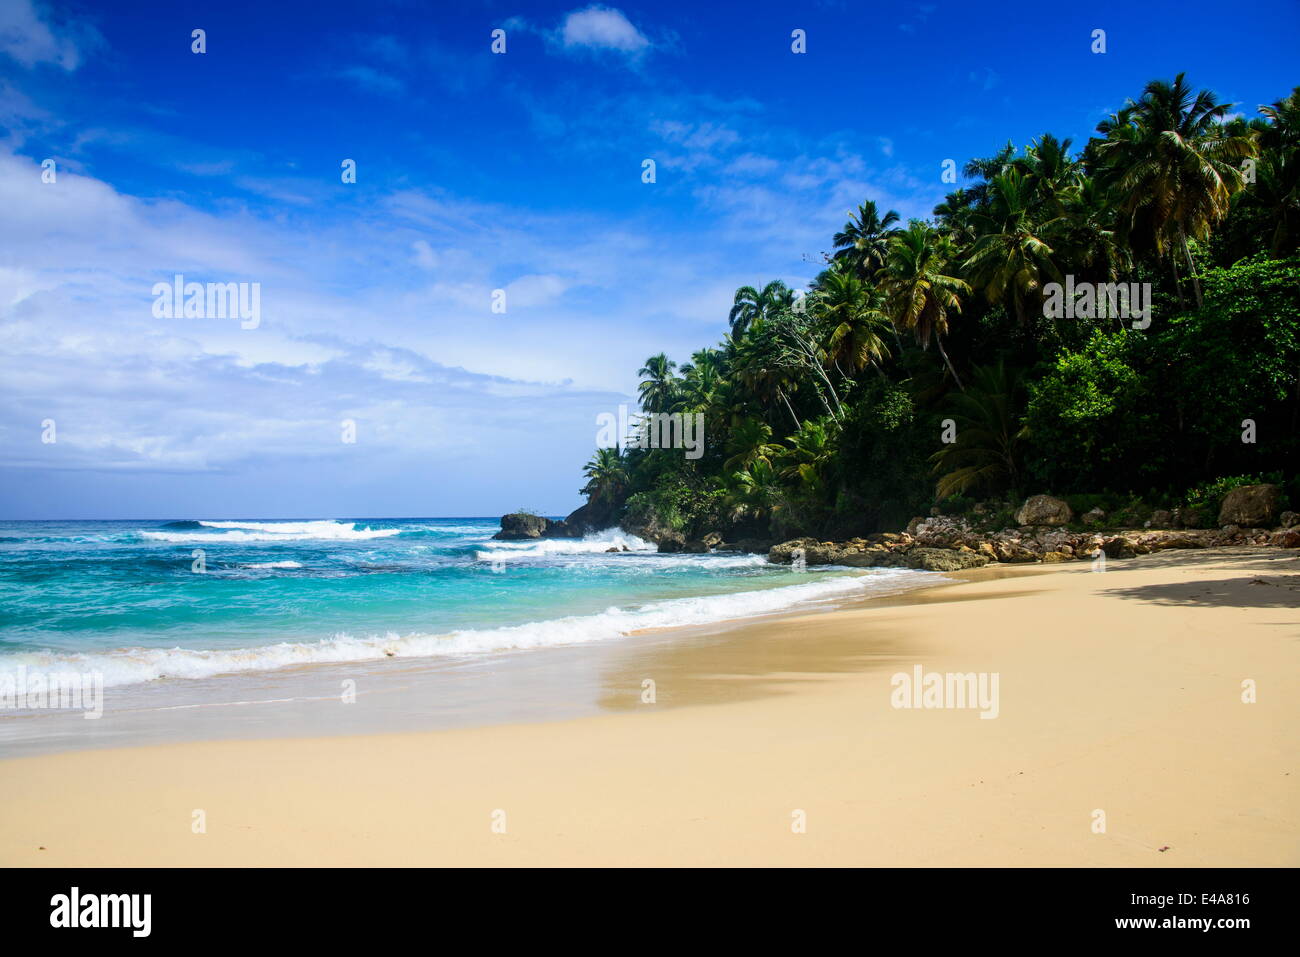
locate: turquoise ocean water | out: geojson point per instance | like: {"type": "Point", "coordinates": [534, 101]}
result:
{"type": "Point", "coordinates": [140, 602]}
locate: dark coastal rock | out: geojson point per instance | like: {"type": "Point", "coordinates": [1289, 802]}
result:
{"type": "Point", "coordinates": [524, 525]}
{"type": "Point", "coordinates": [1044, 510]}
{"type": "Point", "coordinates": [645, 524]}
{"type": "Point", "coordinates": [1251, 506]}
{"type": "Point", "coordinates": [519, 525]}
{"type": "Point", "coordinates": [592, 517]}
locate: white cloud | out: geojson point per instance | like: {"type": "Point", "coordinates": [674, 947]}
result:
{"type": "Point", "coordinates": [601, 28]}
{"type": "Point", "coordinates": [28, 39]}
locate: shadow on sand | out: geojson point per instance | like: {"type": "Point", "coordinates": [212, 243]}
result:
{"type": "Point", "coordinates": [1264, 579]}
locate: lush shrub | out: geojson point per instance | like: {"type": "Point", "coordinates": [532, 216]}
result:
{"type": "Point", "coordinates": [1092, 421]}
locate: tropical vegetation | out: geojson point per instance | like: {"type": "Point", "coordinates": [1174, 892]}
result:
{"type": "Point", "coordinates": [920, 368]}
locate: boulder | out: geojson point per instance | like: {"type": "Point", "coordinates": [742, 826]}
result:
{"type": "Point", "coordinates": [1288, 519]}
{"type": "Point", "coordinates": [873, 556]}
{"type": "Point", "coordinates": [1052, 557]}
{"type": "Point", "coordinates": [645, 524]}
{"type": "Point", "coordinates": [696, 547]}
{"type": "Point", "coordinates": [1161, 518]}
{"type": "Point", "coordinates": [783, 553]}
{"type": "Point", "coordinates": [943, 559]}
{"type": "Point", "coordinates": [1160, 542]}
{"type": "Point", "coordinates": [1252, 506]}
{"type": "Point", "coordinates": [1287, 539]}
{"type": "Point", "coordinates": [1094, 516]}
{"type": "Point", "coordinates": [1012, 552]}
{"type": "Point", "coordinates": [1044, 510]}
{"type": "Point", "coordinates": [1119, 547]}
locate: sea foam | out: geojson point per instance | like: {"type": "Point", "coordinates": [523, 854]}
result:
{"type": "Point", "coordinates": [137, 665]}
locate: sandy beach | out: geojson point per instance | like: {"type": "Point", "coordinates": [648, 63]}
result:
{"type": "Point", "coordinates": [776, 743]}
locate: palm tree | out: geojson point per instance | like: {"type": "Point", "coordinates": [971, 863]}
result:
{"type": "Point", "coordinates": [918, 293]}
{"type": "Point", "coordinates": [750, 442]}
{"type": "Point", "coordinates": [763, 371]}
{"type": "Point", "coordinates": [658, 390]}
{"type": "Point", "coordinates": [758, 488]}
{"type": "Point", "coordinates": [864, 241]}
{"type": "Point", "coordinates": [1276, 190]}
{"type": "Point", "coordinates": [811, 450]}
{"type": "Point", "coordinates": [852, 313]}
{"type": "Point", "coordinates": [606, 476]}
{"type": "Point", "coordinates": [701, 381]}
{"type": "Point", "coordinates": [986, 452]}
{"type": "Point", "coordinates": [1173, 165]}
{"type": "Point", "coordinates": [753, 304]}
{"type": "Point", "coordinates": [1010, 259]}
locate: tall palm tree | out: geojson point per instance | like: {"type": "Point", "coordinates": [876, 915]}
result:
{"type": "Point", "coordinates": [1173, 165]}
{"type": "Point", "coordinates": [606, 476]}
{"type": "Point", "coordinates": [658, 391]}
{"type": "Point", "coordinates": [1010, 259]}
{"type": "Point", "coordinates": [701, 380]}
{"type": "Point", "coordinates": [919, 294]}
{"type": "Point", "coordinates": [1276, 190]}
{"type": "Point", "coordinates": [864, 242]}
{"type": "Point", "coordinates": [854, 320]}
{"type": "Point", "coordinates": [752, 304]}
{"type": "Point", "coordinates": [763, 370]}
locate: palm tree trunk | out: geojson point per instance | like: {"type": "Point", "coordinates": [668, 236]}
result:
{"type": "Point", "coordinates": [834, 395]}
{"type": "Point", "coordinates": [1178, 287]}
{"type": "Point", "coordinates": [788, 408]}
{"type": "Point", "coordinates": [1191, 266]}
{"type": "Point", "coordinates": [938, 340]}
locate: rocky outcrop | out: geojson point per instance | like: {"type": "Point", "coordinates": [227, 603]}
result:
{"type": "Point", "coordinates": [645, 524]}
{"type": "Point", "coordinates": [950, 544]}
{"type": "Point", "coordinates": [944, 559]}
{"type": "Point", "coordinates": [524, 525]}
{"type": "Point", "coordinates": [1044, 510]}
{"type": "Point", "coordinates": [595, 516]}
{"type": "Point", "coordinates": [1250, 506]}
{"type": "Point", "coordinates": [1288, 519]}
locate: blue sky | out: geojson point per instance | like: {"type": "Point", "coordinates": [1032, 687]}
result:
{"type": "Point", "coordinates": [475, 172]}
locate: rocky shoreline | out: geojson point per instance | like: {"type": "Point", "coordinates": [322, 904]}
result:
{"type": "Point", "coordinates": [1047, 532]}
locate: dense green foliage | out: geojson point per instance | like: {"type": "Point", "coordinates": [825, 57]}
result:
{"type": "Point", "coordinates": [928, 363]}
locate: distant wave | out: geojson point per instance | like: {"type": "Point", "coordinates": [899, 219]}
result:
{"type": "Point", "coordinates": [200, 532]}
{"type": "Point", "coordinates": [547, 547]}
{"type": "Point", "coordinates": [137, 665]}
{"type": "Point", "coordinates": [271, 565]}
